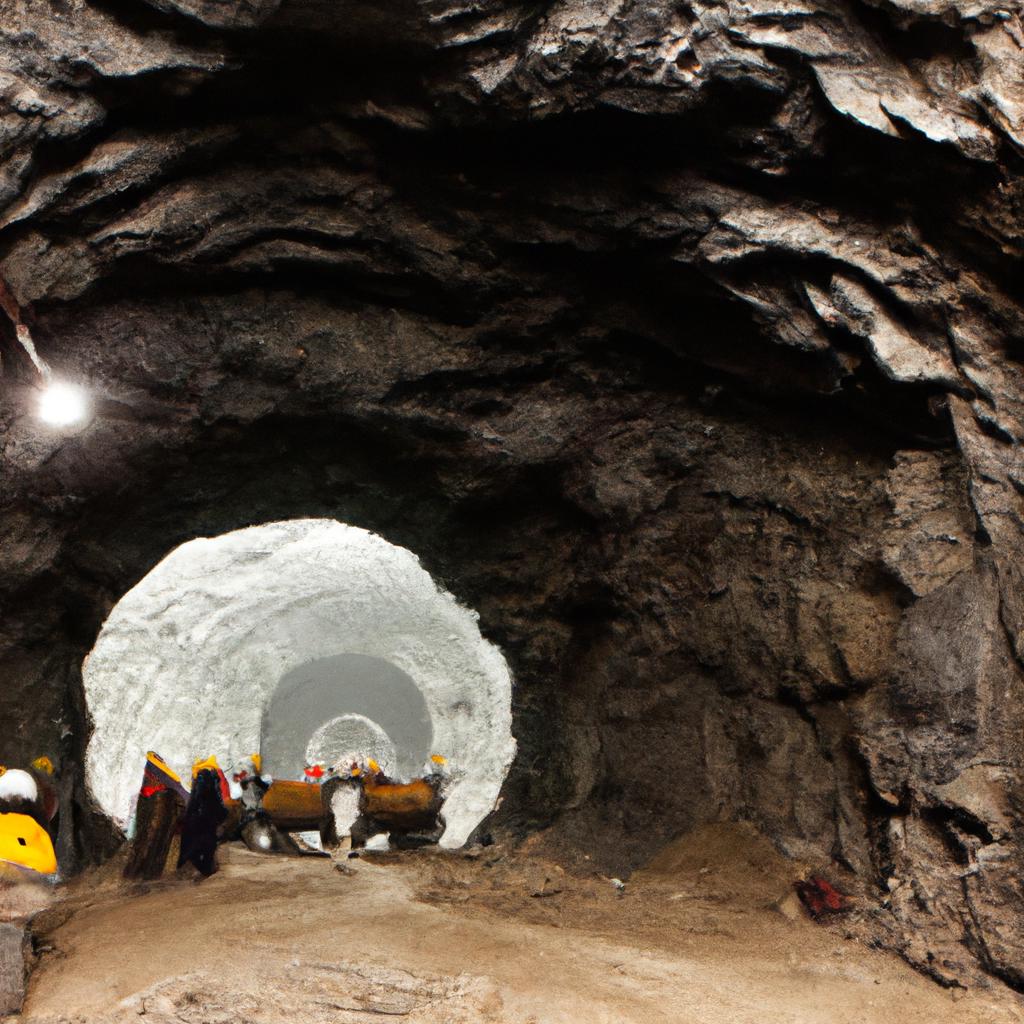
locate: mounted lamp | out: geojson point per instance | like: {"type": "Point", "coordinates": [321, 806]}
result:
{"type": "Point", "coordinates": [60, 404]}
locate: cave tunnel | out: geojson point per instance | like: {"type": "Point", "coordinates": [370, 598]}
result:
{"type": "Point", "coordinates": [619, 400]}
{"type": "Point", "coordinates": [709, 605]}
{"type": "Point", "coordinates": [228, 648]}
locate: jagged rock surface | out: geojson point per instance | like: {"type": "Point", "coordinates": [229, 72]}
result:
{"type": "Point", "coordinates": [681, 340]}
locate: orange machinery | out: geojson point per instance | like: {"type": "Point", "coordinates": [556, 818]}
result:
{"type": "Point", "coordinates": [292, 806]}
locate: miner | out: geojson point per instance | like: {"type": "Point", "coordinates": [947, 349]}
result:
{"type": "Point", "coordinates": [158, 817]}
{"type": "Point", "coordinates": [203, 818]}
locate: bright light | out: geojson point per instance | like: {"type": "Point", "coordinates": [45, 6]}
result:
{"type": "Point", "coordinates": [62, 404]}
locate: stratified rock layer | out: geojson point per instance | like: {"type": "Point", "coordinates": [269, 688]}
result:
{"type": "Point", "coordinates": [681, 340]}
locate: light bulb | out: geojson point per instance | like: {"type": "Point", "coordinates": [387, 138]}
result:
{"type": "Point", "coordinates": [62, 404]}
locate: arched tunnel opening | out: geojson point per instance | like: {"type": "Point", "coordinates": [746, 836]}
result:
{"type": "Point", "coordinates": [372, 708]}
{"type": "Point", "coordinates": [297, 640]}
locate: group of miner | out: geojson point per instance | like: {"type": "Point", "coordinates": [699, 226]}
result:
{"type": "Point", "coordinates": [352, 800]}
{"type": "Point", "coordinates": [349, 802]}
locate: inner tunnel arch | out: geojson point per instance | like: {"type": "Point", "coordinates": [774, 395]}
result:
{"type": "Point", "coordinates": [345, 686]}
{"type": "Point", "coordinates": [189, 661]}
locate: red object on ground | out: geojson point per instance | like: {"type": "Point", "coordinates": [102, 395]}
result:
{"type": "Point", "coordinates": [315, 771]}
{"type": "Point", "coordinates": [821, 897]}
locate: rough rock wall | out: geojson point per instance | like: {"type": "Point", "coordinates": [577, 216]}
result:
{"type": "Point", "coordinates": [682, 340]}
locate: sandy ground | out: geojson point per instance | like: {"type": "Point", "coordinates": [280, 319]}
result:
{"type": "Point", "coordinates": [441, 937]}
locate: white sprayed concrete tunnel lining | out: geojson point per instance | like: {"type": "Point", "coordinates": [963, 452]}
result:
{"type": "Point", "coordinates": [190, 657]}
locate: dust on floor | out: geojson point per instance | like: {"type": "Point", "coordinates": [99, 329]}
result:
{"type": "Point", "coordinates": [487, 937]}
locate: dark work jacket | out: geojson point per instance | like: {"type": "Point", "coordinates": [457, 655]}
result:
{"type": "Point", "coordinates": [203, 817]}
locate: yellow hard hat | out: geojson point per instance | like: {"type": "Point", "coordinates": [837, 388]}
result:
{"type": "Point", "coordinates": [23, 841]}
{"type": "Point", "coordinates": [204, 763]}
{"type": "Point", "coordinates": [43, 764]}
{"type": "Point", "coordinates": [438, 759]}
{"type": "Point", "coordinates": [257, 763]}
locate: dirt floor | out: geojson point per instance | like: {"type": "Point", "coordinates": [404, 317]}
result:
{"type": "Point", "coordinates": [491, 936]}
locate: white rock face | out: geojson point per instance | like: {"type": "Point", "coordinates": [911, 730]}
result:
{"type": "Point", "coordinates": [189, 658]}
{"type": "Point", "coordinates": [351, 739]}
